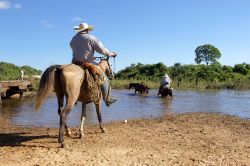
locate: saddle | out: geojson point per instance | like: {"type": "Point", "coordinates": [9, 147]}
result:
{"type": "Point", "coordinates": [93, 69]}
{"type": "Point", "coordinates": [90, 88]}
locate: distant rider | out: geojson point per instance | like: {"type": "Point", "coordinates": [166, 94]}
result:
{"type": "Point", "coordinates": [83, 46]}
{"type": "Point", "coordinates": [22, 74]}
{"type": "Point", "coordinates": [165, 83]}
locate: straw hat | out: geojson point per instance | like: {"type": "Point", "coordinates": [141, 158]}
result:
{"type": "Point", "coordinates": [82, 27]}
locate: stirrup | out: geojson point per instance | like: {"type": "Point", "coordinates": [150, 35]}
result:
{"type": "Point", "coordinates": [110, 101]}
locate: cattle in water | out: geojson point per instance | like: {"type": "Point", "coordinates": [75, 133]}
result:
{"type": "Point", "coordinates": [140, 88]}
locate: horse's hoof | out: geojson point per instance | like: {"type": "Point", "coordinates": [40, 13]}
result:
{"type": "Point", "coordinates": [68, 135]}
{"type": "Point", "coordinates": [81, 136]}
{"type": "Point", "coordinates": [104, 130]}
{"type": "Point", "coordinates": [64, 146]}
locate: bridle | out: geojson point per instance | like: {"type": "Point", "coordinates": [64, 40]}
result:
{"type": "Point", "coordinates": [110, 73]}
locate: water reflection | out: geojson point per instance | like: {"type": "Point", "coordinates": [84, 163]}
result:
{"type": "Point", "coordinates": [131, 106]}
{"type": "Point", "coordinates": [167, 106]}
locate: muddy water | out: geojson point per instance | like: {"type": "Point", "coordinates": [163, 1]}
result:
{"type": "Point", "coordinates": [131, 106]}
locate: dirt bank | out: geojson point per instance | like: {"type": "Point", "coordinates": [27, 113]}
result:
{"type": "Point", "coordinates": [187, 139]}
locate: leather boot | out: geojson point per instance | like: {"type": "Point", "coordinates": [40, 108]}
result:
{"type": "Point", "coordinates": [109, 99]}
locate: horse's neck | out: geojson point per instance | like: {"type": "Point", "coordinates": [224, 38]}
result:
{"type": "Point", "coordinates": [102, 65]}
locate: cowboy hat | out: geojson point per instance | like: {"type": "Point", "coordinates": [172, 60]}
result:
{"type": "Point", "coordinates": [82, 27]}
{"type": "Point", "coordinates": [166, 75]}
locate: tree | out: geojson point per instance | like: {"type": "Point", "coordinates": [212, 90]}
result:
{"type": "Point", "coordinates": [241, 68]}
{"type": "Point", "coordinates": [207, 53]}
{"type": "Point", "coordinates": [9, 71]}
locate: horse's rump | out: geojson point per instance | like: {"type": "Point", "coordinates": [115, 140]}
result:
{"type": "Point", "coordinates": [79, 84]}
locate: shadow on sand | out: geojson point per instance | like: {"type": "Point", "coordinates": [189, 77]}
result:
{"type": "Point", "coordinates": [16, 139]}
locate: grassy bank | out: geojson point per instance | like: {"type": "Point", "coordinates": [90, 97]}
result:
{"type": "Point", "coordinates": [123, 84]}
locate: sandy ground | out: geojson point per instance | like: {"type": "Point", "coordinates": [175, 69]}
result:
{"type": "Point", "coordinates": [186, 139]}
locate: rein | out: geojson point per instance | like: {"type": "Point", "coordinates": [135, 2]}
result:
{"type": "Point", "coordinates": [109, 66]}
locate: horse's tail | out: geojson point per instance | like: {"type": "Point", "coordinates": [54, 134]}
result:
{"type": "Point", "coordinates": [46, 85]}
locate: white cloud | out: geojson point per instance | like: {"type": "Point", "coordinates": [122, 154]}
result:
{"type": "Point", "coordinates": [46, 24]}
{"type": "Point", "coordinates": [5, 4]}
{"type": "Point", "coordinates": [76, 19]}
{"type": "Point", "coordinates": [17, 6]}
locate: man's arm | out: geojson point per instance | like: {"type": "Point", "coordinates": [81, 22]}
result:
{"type": "Point", "coordinates": [100, 48]}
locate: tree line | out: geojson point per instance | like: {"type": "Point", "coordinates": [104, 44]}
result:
{"type": "Point", "coordinates": [206, 73]}
{"type": "Point", "coordinates": [9, 71]}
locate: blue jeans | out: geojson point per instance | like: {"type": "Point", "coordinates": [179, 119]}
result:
{"type": "Point", "coordinates": [105, 87]}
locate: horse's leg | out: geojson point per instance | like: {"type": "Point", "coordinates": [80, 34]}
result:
{"type": "Point", "coordinates": [63, 117]}
{"type": "Point", "coordinates": [60, 108]}
{"type": "Point", "coordinates": [170, 93]}
{"type": "Point", "coordinates": [60, 100]}
{"type": "Point", "coordinates": [62, 126]}
{"type": "Point", "coordinates": [83, 117]}
{"type": "Point", "coordinates": [99, 115]}
{"type": "Point", "coordinates": [68, 131]}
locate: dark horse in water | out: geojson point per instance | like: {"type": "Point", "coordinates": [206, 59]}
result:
{"type": "Point", "coordinates": [139, 87]}
{"type": "Point", "coordinates": [71, 83]}
{"type": "Point", "coordinates": [164, 92]}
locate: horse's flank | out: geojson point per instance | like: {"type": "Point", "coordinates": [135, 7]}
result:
{"type": "Point", "coordinates": [71, 80]}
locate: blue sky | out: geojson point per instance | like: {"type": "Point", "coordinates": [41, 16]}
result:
{"type": "Point", "coordinates": [37, 32]}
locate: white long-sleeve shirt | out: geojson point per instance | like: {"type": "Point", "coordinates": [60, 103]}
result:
{"type": "Point", "coordinates": [84, 46]}
{"type": "Point", "coordinates": [166, 82]}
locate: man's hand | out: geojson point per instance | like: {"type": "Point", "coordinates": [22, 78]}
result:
{"type": "Point", "coordinates": [113, 54]}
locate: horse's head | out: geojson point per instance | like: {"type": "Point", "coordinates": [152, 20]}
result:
{"type": "Point", "coordinates": [106, 67]}
{"type": "Point", "coordinates": [131, 85]}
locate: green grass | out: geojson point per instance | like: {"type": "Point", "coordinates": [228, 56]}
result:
{"type": "Point", "coordinates": [123, 84]}
{"type": "Point", "coordinates": [238, 85]}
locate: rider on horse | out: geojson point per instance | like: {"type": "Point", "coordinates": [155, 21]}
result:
{"type": "Point", "coordinates": [165, 83]}
{"type": "Point", "coordinates": [83, 46]}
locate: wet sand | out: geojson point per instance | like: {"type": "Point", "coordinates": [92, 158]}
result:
{"type": "Point", "coordinates": [185, 139]}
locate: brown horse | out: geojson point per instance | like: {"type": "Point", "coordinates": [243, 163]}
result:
{"type": "Point", "coordinates": [139, 87]}
{"type": "Point", "coordinates": [71, 81]}
{"type": "Point", "coordinates": [164, 92]}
